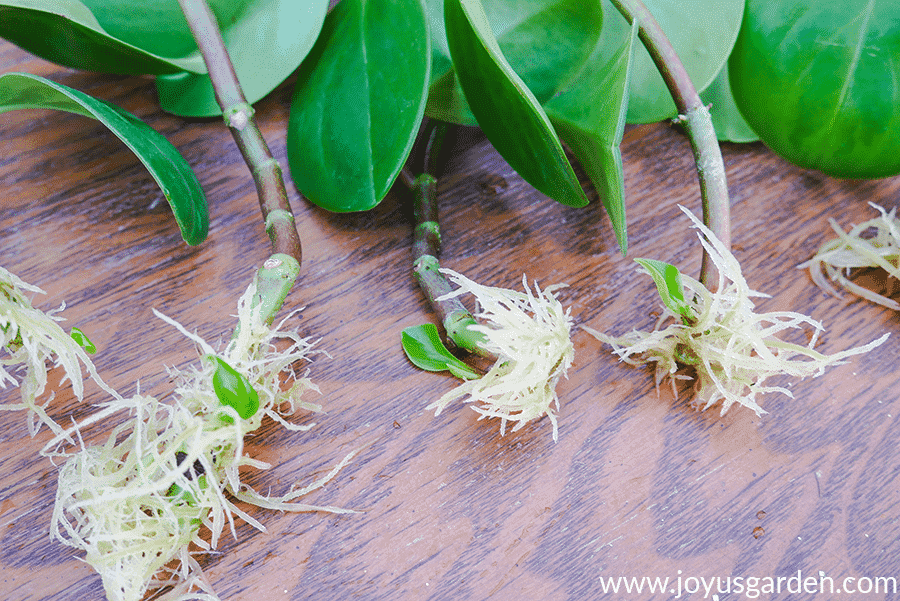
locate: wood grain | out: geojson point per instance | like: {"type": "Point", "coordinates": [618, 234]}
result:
{"type": "Point", "coordinates": [638, 484]}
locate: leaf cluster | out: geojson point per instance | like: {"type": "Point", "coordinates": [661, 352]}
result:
{"type": "Point", "coordinates": [814, 80]}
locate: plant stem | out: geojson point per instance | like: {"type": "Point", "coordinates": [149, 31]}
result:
{"type": "Point", "coordinates": [453, 315]}
{"type": "Point", "coordinates": [698, 126]}
{"type": "Point", "coordinates": [426, 248]}
{"type": "Point", "coordinates": [279, 272]}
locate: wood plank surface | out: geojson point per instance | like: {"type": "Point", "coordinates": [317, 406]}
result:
{"type": "Point", "coordinates": [639, 484]}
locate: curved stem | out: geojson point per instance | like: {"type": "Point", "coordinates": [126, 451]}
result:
{"type": "Point", "coordinates": [698, 125]}
{"type": "Point", "coordinates": [276, 280]}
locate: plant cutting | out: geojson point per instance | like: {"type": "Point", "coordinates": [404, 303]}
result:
{"type": "Point", "coordinates": [525, 335]}
{"type": "Point", "coordinates": [732, 349]}
{"type": "Point", "coordinates": [159, 489]}
{"type": "Point", "coordinates": [139, 501]}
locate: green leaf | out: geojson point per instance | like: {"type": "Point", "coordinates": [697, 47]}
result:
{"type": "Point", "coordinates": [818, 81]}
{"type": "Point", "coordinates": [181, 495]}
{"type": "Point", "coordinates": [701, 31]}
{"type": "Point", "coordinates": [546, 42]}
{"type": "Point", "coordinates": [422, 345]}
{"type": "Point", "coordinates": [727, 119]}
{"type": "Point", "coordinates": [507, 112]}
{"type": "Point", "coordinates": [668, 284]}
{"type": "Point", "coordinates": [590, 117]}
{"type": "Point", "coordinates": [166, 165]}
{"type": "Point", "coordinates": [159, 26]}
{"type": "Point", "coordinates": [233, 389]}
{"type": "Point", "coordinates": [83, 341]}
{"type": "Point", "coordinates": [68, 33]}
{"type": "Point", "coordinates": [358, 103]}
{"type": "Point", "coordinates": [267, 41]}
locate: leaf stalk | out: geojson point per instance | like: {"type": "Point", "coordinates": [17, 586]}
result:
{"type": "Point", "coordinates": [238, 115]}
{"type": "Point", "coordinates": [697, 123]}
{"type": "Point", "coordinates": [453, 315]}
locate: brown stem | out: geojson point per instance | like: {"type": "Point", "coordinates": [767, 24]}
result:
{"type": "Point", "coordinates": [281, 269]}
{"type": "Point", "coordinates": [698, 126]}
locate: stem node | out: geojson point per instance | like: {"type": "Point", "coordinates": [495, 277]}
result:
{"type": "Point", "coordinates": [238, 116]}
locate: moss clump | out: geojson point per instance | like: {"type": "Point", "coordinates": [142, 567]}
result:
{"type": "Point", "coordinates": [138, 501]}
{"type": "Point", "coordinates": [872, 244]}
{"type": "Point", "coordinates": [732, 349]}
{"type": "Point", "coordinates": [529, 332]}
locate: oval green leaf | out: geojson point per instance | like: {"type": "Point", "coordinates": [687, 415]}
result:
{"type": "Point", "coordinates": [266, 42]}
{"type": "Point", "coordinates": [546, 42]}
{"type": "Point", "coordinates": [68, 33]}
{"type": "Point", "coordinates": [163, 161]}
{"type": "Point", "coordinates": [702, 32]}
{"type": "Point", "coordinates": [233, 389]}
{"type": "Point", "coordinates": [358, 103]}
{"type": "Point", "coordinates": [422, 345]}
{"type": "Point", "coordinates": [159, 26]}
{"type": "Point", "coordinates": [727, 119]}
{"type": "Point", "coordinates": [506, 110]}
{"type": "Point", "coordinates": [818, 81]}
{"type": "Point", "coordinates": [590, 117]}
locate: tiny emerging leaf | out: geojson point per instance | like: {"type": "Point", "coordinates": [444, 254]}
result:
{"type": "Point", "coordinates": [234, 390]}
{"type": "Point", "coordinates": [668, 283]}
{"type": "Point", "coordinates": [82, 339]}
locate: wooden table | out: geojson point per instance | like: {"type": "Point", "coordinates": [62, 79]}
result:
{"type": "Point", "coordinates": [638, 485]}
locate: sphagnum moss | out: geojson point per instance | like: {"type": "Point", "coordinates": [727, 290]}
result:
{"type": "Point", "coordinates": [529, 332]}
{"type": "Point", "coordinates": [30, 341]}
{"type": "Point", "coordinates": [873, 243]}
{"type": "Point", "coordinates": [165, 479]}
{"type": "Point", "coordinates": [732, 349]}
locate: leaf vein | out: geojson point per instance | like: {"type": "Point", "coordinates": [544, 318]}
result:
{"type": "Point", "coordinates": [854, 63]}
